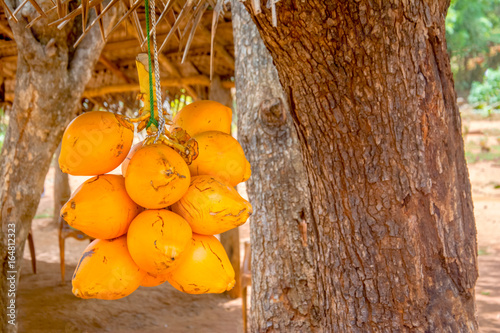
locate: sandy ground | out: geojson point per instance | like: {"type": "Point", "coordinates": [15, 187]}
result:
{"type": "Point", "coordinates": [487, 212]}
{"type": "Point", "coordinates": [47, 305]}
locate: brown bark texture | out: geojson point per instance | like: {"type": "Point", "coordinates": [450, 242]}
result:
{"type": "Point", "coordinates": [390, 245]}
{"type": "Point", "coordinates": [50, 79]}
{"type": "Point", "coordinates": [277, 189]}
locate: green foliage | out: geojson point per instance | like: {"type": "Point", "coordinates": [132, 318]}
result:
{"type": "Point", "coordinates": [3, 126]}
{"type": "Point", "coordinates": [487, 91]}
{"type": "Point", "coordinates": [482, 252]}
{"type": "Point", "coordinates": [179, 102]}
{"type": "Point", "coordinates": [43, 216]}
{"type": "Point", "coordinates": [472, 27]}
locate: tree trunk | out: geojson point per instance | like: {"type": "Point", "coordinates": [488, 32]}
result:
{"type": "Point", "coordinates": [277, 189]}
{"type": "Point", "coordinates": [391, 242]}
{"type": "Point", "coordinates": [50, 79]}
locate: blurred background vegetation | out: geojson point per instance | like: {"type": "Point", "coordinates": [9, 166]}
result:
{"type": "Point", "coordinates": [473, 36]}
{"type": "Point", "coordinates": [3, 125]}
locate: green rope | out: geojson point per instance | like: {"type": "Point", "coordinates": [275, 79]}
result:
{"type": "Point", "coordinates": [152, 119]}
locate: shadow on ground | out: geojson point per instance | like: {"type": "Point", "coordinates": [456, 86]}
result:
{"type": "Point", "coordinates": [45, 305]}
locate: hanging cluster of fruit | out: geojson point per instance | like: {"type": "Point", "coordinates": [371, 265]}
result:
{"type": "Point", "coordinates": [156, 222]}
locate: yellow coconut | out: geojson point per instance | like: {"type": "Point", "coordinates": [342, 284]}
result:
{"type": "Point", "coordinates": [131, 153]}
{"type": "Point", "coordinates": [204, 268]}
{"type": "Point", "coordinates": [203, 116]}
{"type": "Point", "coordinates": [221, 156]}
{"type": "Point", "coordinates": [106, 271]}
{"type": "Point", "coordinates": [153, 281]}
{"type": "Point", "coordinates": [95, 143]}
{"type": "Point", "coordinates": [156, 176]}
{"type": "Point", "coordinates": [212, 207]}
{"type": "Point", "coordinates": [156, 239]}
{"type": "Point", "coordinates": [101, 207]}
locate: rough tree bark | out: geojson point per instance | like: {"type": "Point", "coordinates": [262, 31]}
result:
{"type": "Point", "coordinates": [391, 242]}
{"type": "Point", "coordinates": [50, 79]}
{"type": "Point", "coordinates": [278, 188]}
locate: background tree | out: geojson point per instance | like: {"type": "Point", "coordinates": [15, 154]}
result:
{"type": "Point", "coordinates": [390, 243]}
{"type": "Point", "coordinates": [51, 76]}
{"type": "Point", "coordinates": [278, 189]}
{"type": "Point", "coordinates": [473, 35]}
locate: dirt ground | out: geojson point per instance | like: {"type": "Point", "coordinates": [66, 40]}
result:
{"type": "Point", "coordinates": [47, 305]}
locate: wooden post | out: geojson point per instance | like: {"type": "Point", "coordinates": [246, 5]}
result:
{"type": "Point", "coordinates": [62, 190]}
{"type": "Point", "coordinates": [230, 239]}
{"type": "Point", "coordinates": [231, 242]}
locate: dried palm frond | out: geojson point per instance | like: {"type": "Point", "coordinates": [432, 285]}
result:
{"type": "Point", "coordinates": [273, 13]}
{"type": "Point", "coordinates": [19, 8]}
{"type": "Point", "coordinates": [98, 11]}
{"type": "Point", "coordinates": [61, 22]}
{"type": "Point", "coordinates": [137, 24]}
{"type": "Point", "coordinates": [61, 9]}
{"type": "Point", "coordinates": [256, 6]}
{"type": "Point", "coordinates": [8, 11]}
{"type": "Point", "coordinates": [126, 16]}
{"type": "Point", "coordinates": [182, 15]}
{"type": "Point", "coordinates": [215, 21]}
{"type": "Point", "coordinates": [190, 12]}
{"type": "Point", "coordinates": [168, 6]}
{"type": "Point", "coordinates": [197, 18]}
{"type": "Point", "coordinates": [37, 8]}
{"type": "Point", "coordinates": [85, 12]}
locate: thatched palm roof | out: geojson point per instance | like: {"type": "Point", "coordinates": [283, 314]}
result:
{"type": "Point", "coordinates": [115, 76]}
